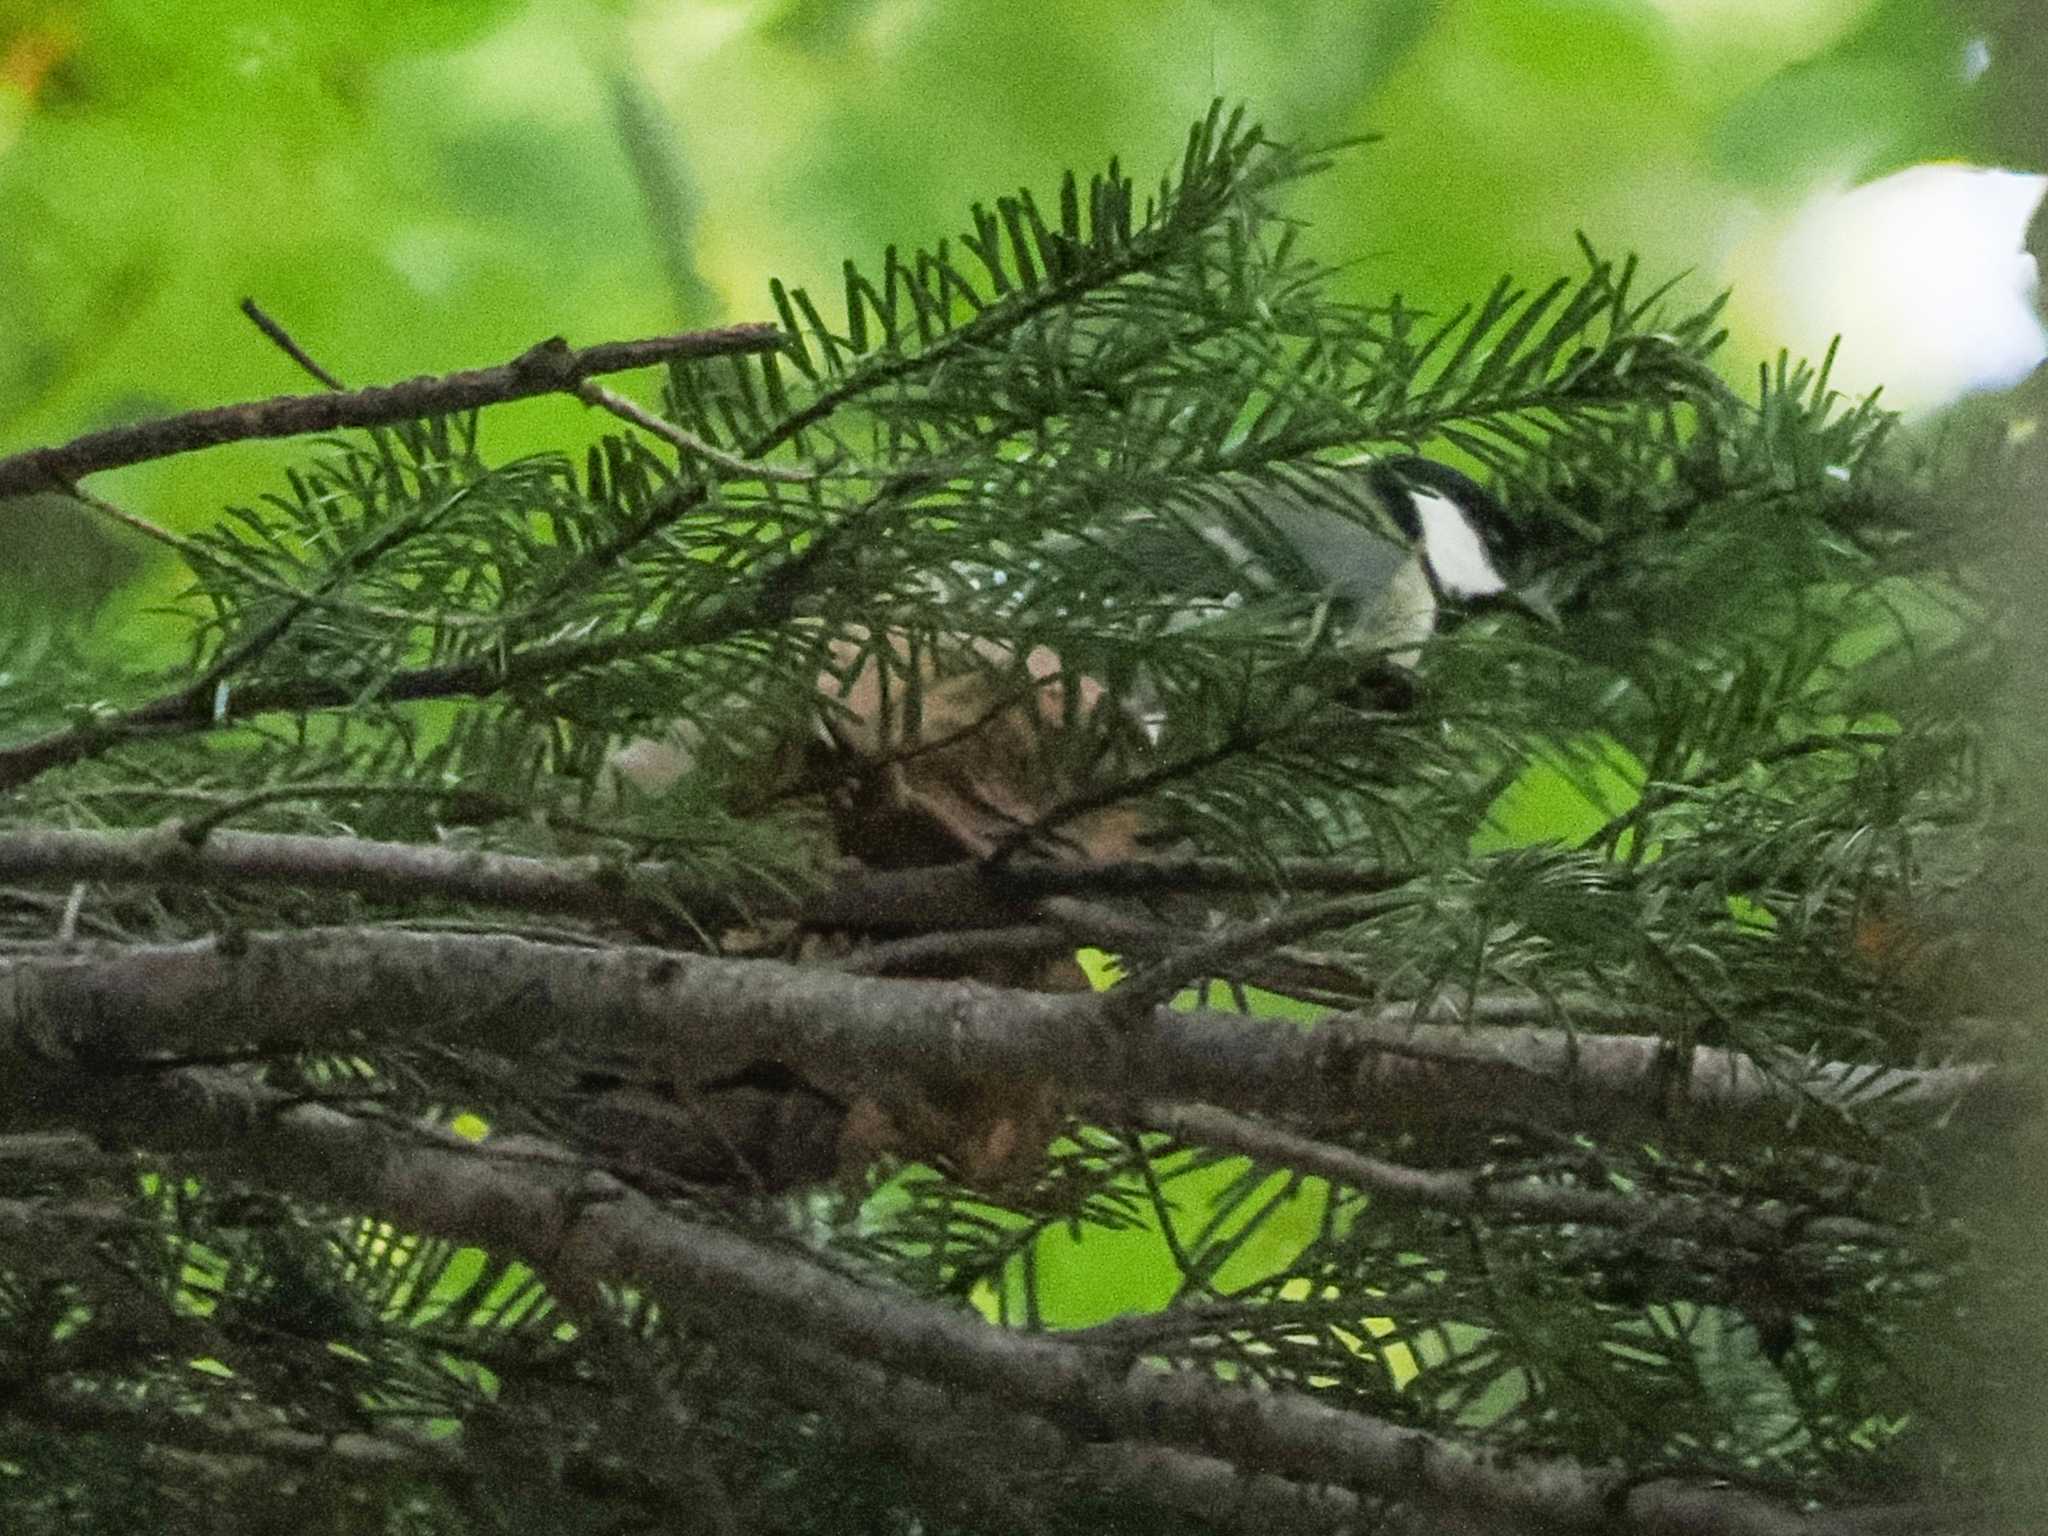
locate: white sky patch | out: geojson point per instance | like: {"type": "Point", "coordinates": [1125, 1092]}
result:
{"type": "Point", "coordinates": [672, 33]}
{"type": "Point", "coordinates": [1456, 556]}
{"type": "Point", "coordinates": [1922, 275]}
{"type": "Point", "coordinates": [1778, 30]}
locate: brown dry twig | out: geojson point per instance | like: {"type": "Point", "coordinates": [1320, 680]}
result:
{"type": "Point", "coordinates": [549, 367]}
{"type": "Point", "coordinates": [282, 339]}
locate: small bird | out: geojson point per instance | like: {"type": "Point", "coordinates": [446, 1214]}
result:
{"type": "Point", "coordinates": [1374, 554]}
{"type": "Point", "coordinates": [1394, 546]}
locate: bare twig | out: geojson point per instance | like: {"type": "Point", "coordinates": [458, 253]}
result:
{"type": "Point", "coordinates": [67, 925]}
{"type": "Point", "coordinates": [937, 954]}
{"type": "Point", "coordinates": [223, 809]}
{"type": "Point", "coordinates": [550, 367]}
{"type": "Point", "coordinates": [1216, 954]}
{"type": "Point", "coordinates": [290, 348]}
{"type": "Point", "coordinates": [592, 393]}
{"type": "Point", "coordinates": [980, 895]}
{"type": "Point", "coordinates": [1530, 1199]}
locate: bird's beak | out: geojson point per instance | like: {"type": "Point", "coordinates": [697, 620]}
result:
{"type": "Point", "coordinates": [1536, 601]}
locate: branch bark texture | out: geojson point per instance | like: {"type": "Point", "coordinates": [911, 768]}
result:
{"type": "Point", "coordinates": [582, 1230]}
{"type": "Point", "coordinates": [551, 367]}
{"type": "Point", "coordinates": [707, 1016]}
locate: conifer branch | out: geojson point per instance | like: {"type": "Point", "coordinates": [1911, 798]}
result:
{"type": "Point", "coordinates": [70, 1410]}
{"type": "Point", "coordinates": [1459, 1192]}
{"type": "Point", "coordinates": [550, 367]}
{"type": "Point", "coordinates": [1226, 167]}
{"type": "Point", "coordinates": [213, 701]}
{"type": "Point", "coordinates": [584, 1231]}
{"type": "Point", "coordinates": [936, 898]}
{"type": "Point", "coordinates": [1584, 1090]}
{"type": "Point", "coordinates": [711, 1015]}
{"type": "Point", "coordinates": [199, 555]}
{"type": "Point", "coordinates": [1222, 954]}
{"type": "Point", "coordinates": [693, 446]}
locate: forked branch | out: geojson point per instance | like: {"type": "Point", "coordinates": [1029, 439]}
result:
{"type": "Point", "coordinates": [549, 367]}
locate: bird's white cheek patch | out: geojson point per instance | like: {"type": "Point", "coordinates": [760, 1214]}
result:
{"type": "Point", "coordinates": [1455, 554]}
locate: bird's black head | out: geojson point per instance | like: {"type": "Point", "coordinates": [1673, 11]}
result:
{"type": "Point", "coordinates": [1462, 535]}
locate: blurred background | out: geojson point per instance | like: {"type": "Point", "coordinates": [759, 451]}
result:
{"type": "Point", "coordinates": [413, 187]}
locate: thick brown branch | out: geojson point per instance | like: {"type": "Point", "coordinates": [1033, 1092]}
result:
{"type": "Point", "coordinates": [1007, 1456]}
{"type": "Point", "coordinates": [550, 367]}
{"type": "Point", "coordinates": [939, 898]}
{"type": "Point", "coordinates": [642, 893]}
{"type": "Point", "coordinates": [583, 1231]}
{"type": "Point", "coordinates": [709, 1016]}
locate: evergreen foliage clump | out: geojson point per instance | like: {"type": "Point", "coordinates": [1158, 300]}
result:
{"type": "Point", "coordinates": [1671, 965]}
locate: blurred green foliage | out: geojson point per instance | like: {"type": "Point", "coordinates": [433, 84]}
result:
{"type": "Point", "coordinates": [413, 187]}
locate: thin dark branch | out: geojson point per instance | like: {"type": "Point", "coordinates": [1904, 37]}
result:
{"type": "Point", "coordinates": [198, 708]}
{"type": "Point", "coordinates": [1241, 740]}
{"type": "Point", "coordinates": [1123, 791]}
{"type": "Point", "coordinates": [957, 952]}
{"type": "Point", "coordinates": [282, 338]}
{"type": "Point", "coordinates": [688, 442]}
{"type": "Point", "coordinates": [1220, 953]}
{"type": "Point", "coordinates": [1767, 1228]}
{"type": "Point", "coordinates": [550, 367]}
